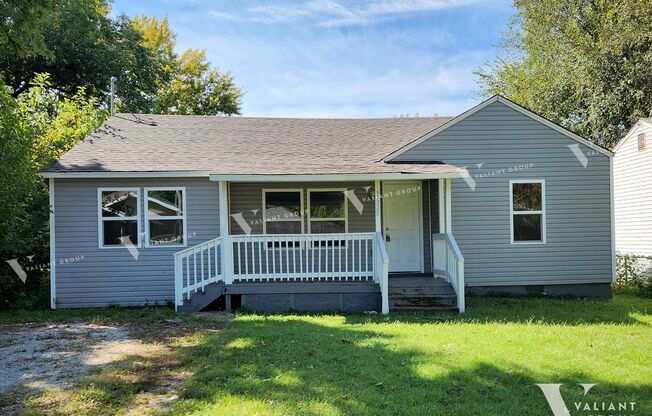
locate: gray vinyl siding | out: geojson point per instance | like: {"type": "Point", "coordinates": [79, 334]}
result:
{"type": "Point", "coordinates": [497, 144]}
{"type": "Point", "coordinates": [633, 194]}
{"type": "Point", "coordinates": [111, 276]}
{"type": "Point", "coordinates": [430, 199]}
{"type": "Point", "coordinates": [245, 198]}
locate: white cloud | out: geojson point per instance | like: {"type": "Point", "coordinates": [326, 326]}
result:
{"type": "Point", "coordinates": [335, 13]}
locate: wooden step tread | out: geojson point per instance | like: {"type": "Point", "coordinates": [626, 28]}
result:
{"type": "Point", "coordinates": [422, 308]}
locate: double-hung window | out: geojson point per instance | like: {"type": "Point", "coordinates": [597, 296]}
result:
{"type": "Point", "coordinates": [528, 211]}
{"type": "Point", "coordinates": [327, 211]}
{"type": "Point", "coordinates": [119, 216]}
{"type": "Point", "coordinates": [283, 211]}
{"type": "Point", "coordinates": [327, 214]}
{"type": "Point", "coordinates": [165, 214]}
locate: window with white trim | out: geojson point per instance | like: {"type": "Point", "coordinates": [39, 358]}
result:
{"type": "Point", "coordinates": [283, 211]}
{"type": "Point", "coordinates": [528, 204]}
{"type": "Point", "coordinates": [327, 211]}
{"type": "Point", "coordinates": [165, 216]}
{"type": "Point", "coordinates": [119, 216]}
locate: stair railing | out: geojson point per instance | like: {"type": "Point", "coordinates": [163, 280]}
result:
{"type": "Point", "coordinates": [196, 267]}
{"type": "Point", "coordinates": [449, 261]}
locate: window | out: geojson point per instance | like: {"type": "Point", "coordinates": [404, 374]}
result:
{"type": "Point", "coordinates": [165, 213]}
{"type": "Point", "coordinates": [283, 211]}
{"type": "Point", "coordinates": [327, 211]}
{"type": "Point", "coordinates": [641, 142]}
{"type": "Point", "coordinates": [528, 219]}
{"type": "Point", "coordinates": [119, 216]}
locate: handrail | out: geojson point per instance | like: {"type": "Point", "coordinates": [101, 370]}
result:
{"type": "Point", "coordinates": [447, 257]}
{"type": "Point", "coordinates": [196, 267]}
{"type": "Point", "coordinates": [382, 272]}
{"type": "Point", "coordinates": [455, 247]}
{"type": "Point", "coordinates": [193, 248]}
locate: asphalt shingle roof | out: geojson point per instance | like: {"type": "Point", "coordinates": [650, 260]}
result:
{"type": "Point", "coordinates": [248, 146]}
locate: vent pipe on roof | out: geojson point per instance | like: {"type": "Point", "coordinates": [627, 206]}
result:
{"type": "Point", "coordinates": [113, 80]}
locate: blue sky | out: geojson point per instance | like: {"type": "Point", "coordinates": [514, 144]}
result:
{"type": "Point", "coordinates": [336, 58]}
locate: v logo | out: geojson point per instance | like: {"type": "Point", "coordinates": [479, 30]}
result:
{"type": "Point", "coordinates": [555, 401]}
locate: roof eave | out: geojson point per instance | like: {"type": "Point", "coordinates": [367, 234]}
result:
{"type": "Point", "coordinates": [336, 177]}
{"type": "Point", "coordinates": [123, 174]}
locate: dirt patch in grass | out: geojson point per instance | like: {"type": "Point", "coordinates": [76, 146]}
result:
{"type": "Point", "coordinates": [85, 368]}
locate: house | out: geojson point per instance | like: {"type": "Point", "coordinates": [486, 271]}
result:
{"type": "Point", "coordinates": [330, 214]}
{"type": "Point", "coordinates": [633, 192]}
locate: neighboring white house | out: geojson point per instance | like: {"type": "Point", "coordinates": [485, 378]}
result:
{"type": "Point", "coordinates": [632, 172]}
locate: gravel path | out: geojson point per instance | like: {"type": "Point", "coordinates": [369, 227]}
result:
{"type": "Point", "coordinates": [39, 357]}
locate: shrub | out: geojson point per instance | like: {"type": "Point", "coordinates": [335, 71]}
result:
{"type": "Point", "coordinates": [634, 274]}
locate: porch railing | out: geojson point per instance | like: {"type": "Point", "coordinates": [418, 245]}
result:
{"type": "Point", "coordinates": [353, 257]}
{"type": "Point", "coordinates": [448, 258]}
{"type": "Point", "coordinates": [303, 257]}
{"type": "Point", "coordinates": [196, 267]}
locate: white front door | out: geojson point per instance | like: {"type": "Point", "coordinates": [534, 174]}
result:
{"type": "Point", "coordinates": [402, 212]}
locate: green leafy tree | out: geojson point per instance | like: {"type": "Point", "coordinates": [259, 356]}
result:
{"type": "Point", "coordinates": [36, 128]}
{"type": "Point", "coordinates": [188, 84]}
{"type": "Point", "coordinates": [583, 64]}
{"type": "Point", "coordinates": [20, 22]}
{"type": "Point", "coordinates": [85, 48]}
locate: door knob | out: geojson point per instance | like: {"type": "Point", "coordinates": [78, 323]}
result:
{"type": "Point", "coordinates": [387, 238]}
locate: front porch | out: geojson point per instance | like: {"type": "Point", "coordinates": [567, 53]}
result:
{"type": "Point", "coordinates": [406, 258]}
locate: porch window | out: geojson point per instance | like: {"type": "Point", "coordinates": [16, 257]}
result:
{"type": "Point", "coordinates": [528, 217]}
{"type": "Point", "coordinates": [283, 211]}
{"type": "Point", "coordinates": [165, 216]}
{"type": "Point", "coordinates": [119, 216]}
{"type": "Point", "coordinates": [327, 211]}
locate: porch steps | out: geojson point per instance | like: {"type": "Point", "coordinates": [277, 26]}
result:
{"type": "Point", "coordinates": [201, 299]}
{"type": "Point", "coordinates": [420, 292]}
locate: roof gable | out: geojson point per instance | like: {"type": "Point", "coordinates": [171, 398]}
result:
{"type": "Point", "coordinates": [635, 128]}
{"type": "Point", "coordinates": [508, 103]}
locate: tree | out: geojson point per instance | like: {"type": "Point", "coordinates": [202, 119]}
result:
{"type": "Point", "coordinates": [188, 84]}
{"type": "Point", "coordinates": [85, 48]}
{"type": "Point", "coordinates": [584, 64]}
{"type": "Point", "coordinates": [36, 128]}
{"type": "Point", "coordinates": [20, 22]}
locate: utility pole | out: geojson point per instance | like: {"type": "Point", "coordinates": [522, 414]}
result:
{"type": "Point", "coordinates": [113, 80]}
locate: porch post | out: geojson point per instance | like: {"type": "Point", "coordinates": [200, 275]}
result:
{"type": "Point", "coordinates": [377, 198]}
{"type": "Point", "coordinates": [227, 247]}
{"type": "Point", "coordinates": [441, 184]}
{"type": "Point", "coordinates": [449, 218]}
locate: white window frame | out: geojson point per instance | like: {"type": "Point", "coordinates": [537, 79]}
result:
{"type": "Point", "coordinates": [264, 204]}
{"type": "Point", "coordinates": [541, 212]}
{"type": "Point", "coordinates": [346, 208]}
{"type": "Point", "coordinates": [183, 217]}
{"type": "Point", "coordinates": [101, 219]}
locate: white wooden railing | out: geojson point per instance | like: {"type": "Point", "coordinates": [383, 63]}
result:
{"type": "Point", "coordinates": [303, 257]}
{"type": "Point", "coordinates": [353, 257]}
{"type": "Point", "coordinates": [196, 267]}
{"type": "Point", "coordinates": [448, 259]}
{"type": "Point", "coordinates": [381, 266]}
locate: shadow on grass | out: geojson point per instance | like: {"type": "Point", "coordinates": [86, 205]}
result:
{"type": "Point", "coordinates": [303, 365]}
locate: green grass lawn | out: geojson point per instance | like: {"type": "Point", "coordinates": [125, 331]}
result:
{"type": "Point", "coordinates": [485, 362]}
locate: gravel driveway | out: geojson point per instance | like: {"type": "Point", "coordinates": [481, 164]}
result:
{"type": "Point", "coordinates": [39, 357]}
